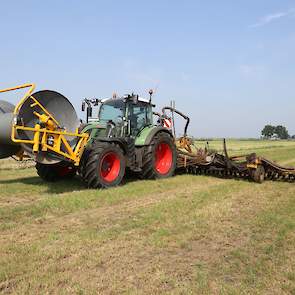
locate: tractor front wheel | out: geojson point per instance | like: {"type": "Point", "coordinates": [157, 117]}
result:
{"type": "Point", "coordinates": [159, 159]}
{"type": "Point", "coordinates": [104, 166]}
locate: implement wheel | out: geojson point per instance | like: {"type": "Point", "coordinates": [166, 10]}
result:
{"type": "Point", "coordinates": [55, 172]}
{"type": "Point", "coordinates": [104, 166]}
{"type": "Point", "coordinates": [258, 174]}
{"type": "Point", "coordinates": [159, 159]}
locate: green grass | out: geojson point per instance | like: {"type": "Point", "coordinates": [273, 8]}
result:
{"type": "Point", "coordinates": [183, 235]}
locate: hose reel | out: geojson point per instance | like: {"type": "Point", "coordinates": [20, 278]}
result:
{"type": "Point", "coordinates": [44, 125]}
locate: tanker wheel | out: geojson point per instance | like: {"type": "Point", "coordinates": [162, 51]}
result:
{"type": "Point", "coordinates": [258, 174]}
{"type": "Point", "coordinates": [159, 159]}
{"type": "Point", "coordinates": [55, 172]}
{"type": "Point", "coordinates": [104, 166]}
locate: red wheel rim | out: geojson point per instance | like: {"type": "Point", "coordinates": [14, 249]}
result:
{"type": "Point", "coordinates": [110, 167]}
{"type": "Point", "coordinates": [63, 171]}
{"type": "Point", "coordinates": [164, 158]}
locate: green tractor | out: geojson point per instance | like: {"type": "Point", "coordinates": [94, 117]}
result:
{"type": "Point", "coordinates": [123, 137]}
{"type": "Point", "coordinates": [119, 135]}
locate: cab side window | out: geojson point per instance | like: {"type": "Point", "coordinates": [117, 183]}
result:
{"type": "Point", "coordinates": [139, 117]}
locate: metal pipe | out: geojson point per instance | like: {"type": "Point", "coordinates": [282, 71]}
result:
{"type": "Point", "coordinates": [180, 114]}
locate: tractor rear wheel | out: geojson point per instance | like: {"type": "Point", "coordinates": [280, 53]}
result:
{"type": "Point", "coordinates": [55, 172]}
{"type": "Point", "coordinates": [104, 166]}
{"type": "Point", "coordinates": [159, 159]}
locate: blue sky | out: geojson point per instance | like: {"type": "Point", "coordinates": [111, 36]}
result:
{"type": "Point", "coordinates": [230, 65]}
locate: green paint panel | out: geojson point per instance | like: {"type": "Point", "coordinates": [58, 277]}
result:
{"type": "Point", "coordinates": [94, 129]}
{"type": "Point", "coordinates": [141, 137]}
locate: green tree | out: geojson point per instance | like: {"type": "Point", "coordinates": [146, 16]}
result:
{"type": "Point", "coordinates": [282, 132]}
{"type": "Point", "coordinates": [268, 131]}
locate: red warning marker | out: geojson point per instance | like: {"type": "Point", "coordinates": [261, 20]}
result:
{"type": "Point", "coordinates": [167, 123]}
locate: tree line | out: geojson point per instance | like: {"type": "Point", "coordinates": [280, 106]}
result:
{"type": "Point", "coordinates": [279, 131]}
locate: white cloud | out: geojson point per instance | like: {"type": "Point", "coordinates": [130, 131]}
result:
{"type": "Point", "coordinates": [273, 17]}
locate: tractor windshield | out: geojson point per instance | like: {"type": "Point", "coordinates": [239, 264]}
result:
{"type": "Point", "coordinates": [112, 110]}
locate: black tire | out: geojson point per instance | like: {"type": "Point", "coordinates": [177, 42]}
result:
{"type": "Point", "coordinates": [100, 155]}
{"type": "Point", "coordinates": [131, 153]}
{"type": "Point", "coordinates": [149, 168]}
{"type": "Point", "coordinates": [82, 166]}
{"type": "Point", "coordinates": [52, 173]}
{"type": "Point", "coordinates": [258, 175]}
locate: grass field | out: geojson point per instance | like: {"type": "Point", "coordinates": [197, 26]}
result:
{"type": "Point", "coordinates": [184, 235]}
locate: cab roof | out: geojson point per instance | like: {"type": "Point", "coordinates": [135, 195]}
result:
{"type": "Point", "coordinates": [128, 97]}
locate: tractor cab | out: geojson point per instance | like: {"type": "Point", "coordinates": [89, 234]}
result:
{"type": "Point", "coordinates": [121, 117]}
{"type": "Point", "coordinates": [139, 115]}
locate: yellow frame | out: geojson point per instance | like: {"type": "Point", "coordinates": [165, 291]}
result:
{"type": "Point", "coordinates": [41, 134]}
{"type": "Point", "coordinates": [32, 87]}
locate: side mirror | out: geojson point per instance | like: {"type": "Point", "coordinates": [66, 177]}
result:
{"type": "Point", "coordinates": [83, 106]}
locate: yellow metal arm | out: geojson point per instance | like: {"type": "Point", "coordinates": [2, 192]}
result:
{"type": "Point", "coordinates": [32, 87]}
{"type": "Point", "coordinates": [49, 136]}
{"type": "Point", "coordinates": [60, 144]}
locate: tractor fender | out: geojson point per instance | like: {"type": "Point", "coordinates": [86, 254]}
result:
{"type": "Point", "coordinates": [147, 134]}
{"type": "Point", "coordinates": [118, 141]}
{"type": "Point", "coordinates": [87, 128]}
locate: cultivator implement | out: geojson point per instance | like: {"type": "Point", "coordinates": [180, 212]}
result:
{"type": "Point", "coordinates": [203, 161]}
{"type": "Point", "coordinates": [194, 160]}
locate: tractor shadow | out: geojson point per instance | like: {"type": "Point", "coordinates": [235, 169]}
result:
{"type": "Point", "coordinates": [60, 186]}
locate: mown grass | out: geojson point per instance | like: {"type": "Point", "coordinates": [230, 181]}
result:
{"type": "Point", "coordinates": [184, 235]}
